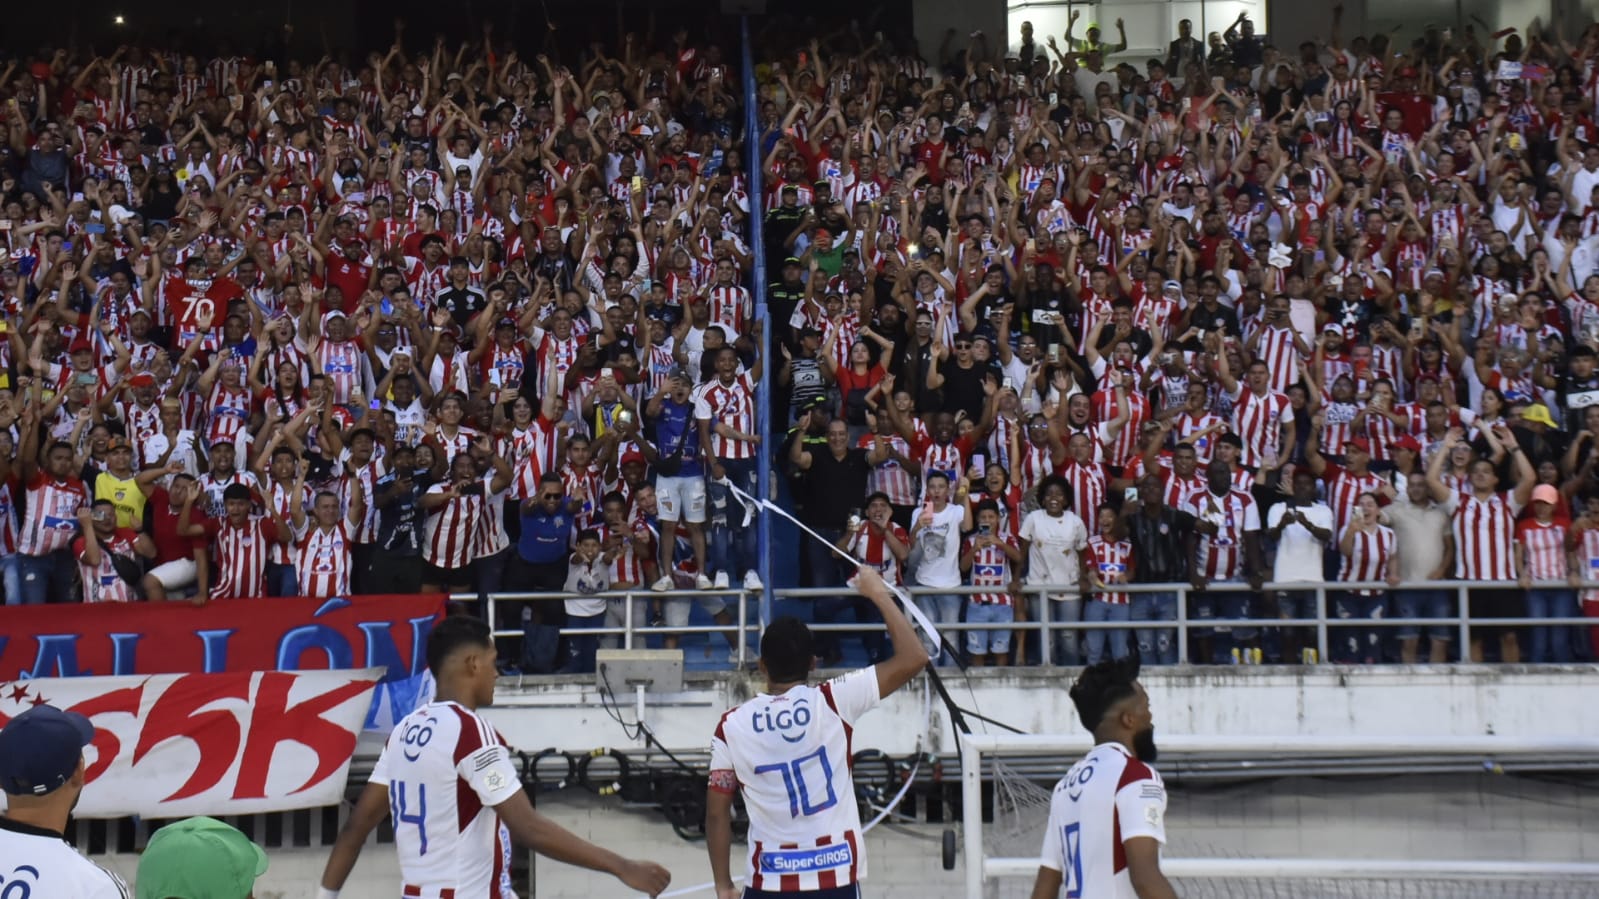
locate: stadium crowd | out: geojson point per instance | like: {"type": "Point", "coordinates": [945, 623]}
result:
{"type": "Point", "coordinates": [454, 320]}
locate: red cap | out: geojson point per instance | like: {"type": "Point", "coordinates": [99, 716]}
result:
{"type": "Point", "coordinates": [632, 456]}
{"type": "Point", "coordinates": [81, 345]}
{"type": "Point", "coordinates": [142, 379]}
{"type": "Point", "coordinates": [1408, 442]}
{"type": "Point", "coordinates": [1359, 443]}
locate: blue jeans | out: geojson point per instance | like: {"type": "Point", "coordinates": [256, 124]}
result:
{"type": "Point", "coordinates": [1550, 643]}
{"type": "Point", "coordinates": [984, 642]}
{"type": "Point", "coordinates": [1360, 645]}
{"type": "Point", "coordinates": [733, 546]}
{"type": "Point", "coordinates": [46, 578]}
{"type": "Point", "coordinates": [11, 579]}
{"type": "Point", "coordinates": [281, 580]}
{"type": "Point", "coordinates": [1423, 604]}
{"type": "Point", "coordinates": [1155, 646]}
{"type": "Point", "coordinates": [583, 646]}
{"type": "Point", "coordinates": [1098, 609]}
{"type": "Point", "coordinates": [941, 608]}
{"type": "Point", "coordinates": [1223, 601]}
{"type": "Point", "coordinates": [488, 572]}
{"type": "Point", "coordinates": [1065, 609]}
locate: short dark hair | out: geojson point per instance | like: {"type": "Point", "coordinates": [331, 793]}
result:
{"type": "Point", "coordinates": [236, 491]}
{"type": "Point", "coordinates": [786, 649]}
{"type": "Point", "coordinates": [451, 634]}
{"type": "Point", "coordinates": [1100, 687]}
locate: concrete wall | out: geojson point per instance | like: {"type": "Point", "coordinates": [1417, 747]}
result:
{"type": "Point", "coordinates": [1457, 818]}
{"type": "Point", "coordinates": [1319, 701]}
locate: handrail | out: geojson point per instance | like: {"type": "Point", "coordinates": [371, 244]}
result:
{"type": "Point", "coordinates": [1461, 622]}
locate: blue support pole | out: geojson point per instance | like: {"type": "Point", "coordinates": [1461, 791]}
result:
{"type": "Point", "coordinates": [763, 398]}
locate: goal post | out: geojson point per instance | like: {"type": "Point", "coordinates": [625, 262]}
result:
{"type": "Point", "coordinates": [982, 867]}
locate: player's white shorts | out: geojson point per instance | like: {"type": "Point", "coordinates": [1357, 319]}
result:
{"type": "Point", "coordinates": [175, 575]}
{"type": "Point", "coordinates": [681, 498]}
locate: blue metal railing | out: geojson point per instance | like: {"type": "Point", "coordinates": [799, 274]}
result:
{"type": "Point", "coordinates": [763, 398]}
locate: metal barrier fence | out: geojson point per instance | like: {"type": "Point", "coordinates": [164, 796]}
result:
{"type": "Point", "coordinates": [632, 632]}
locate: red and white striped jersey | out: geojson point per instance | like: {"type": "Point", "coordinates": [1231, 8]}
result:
{"type": "Point", "coordinates": [281, 496]}
{"type": "Point", "coordinates": [587, 483]}
{"type": "Point", "coordinates": [1187, 424]}
{"type": "Point", "coordinates": [1034, 465]}
{"type": "Point", "coordinates": [1258, 420]}
{"type": "Point", "coordinates": [730, 404]}
{"type": "Point", "coordinates": [627, 569]}
{"type": "Point", "coordinates": [730, 307]}
{"type": "Point", "coordinates": [871, 546]}
{"type": "Point", "coordinates": [1588, 562]}
{"type": "Point", "coordinates": [1368, 556]}
{"type": "Point", "coordinates": [1088, 483]}
{"type": "Point", "coordinates": [790, 754]}
{"type": "Point", "coordinates": [1106, 799]}
{"type": "Point", "coordinates": [322, 560]}
{"type": "Point", "coordinates": [1112, 563]}
{"type": "Point", "coordinates": [345, 365]}
{"type": "Point", "coordinates": [227, 413]}
{"type": "Point", "coordinates": [1125, 446]}
{"type": "Point", "coordinates": [1179, 490]}
{"type": "Point", "coordinates": [1381, 433]}
{"type": "Point", "coordinates": [1343, 489]}
{"type": "Point", "coordinates": [101, 583]}
{"type": "Point", "coordinates": [1484, 536]}
{"type": "Point", "coordinates": [50, 518]}
{"type": "Point", "coordinates": [889, 476]}
{"type": "Point", "coordinates": [990, 568]}
{"type": "Point", "coordinates": [1276, 348]}
{"type": "Point", "coordinates": [1221, 556]}
{"type": "Point", "coordinates": [8, 517]}
{"type": "Point", "coordinates": [534, 451]}
{"type": "Point", "coordinates": [446, 769]}
{"type": "Point", "coordinates": [555, 356]}
{"type": "Point", "coordinates": [1545, 546]}
{"type": "Point", "coordinates": [241, 556]}
{"type": "Point", "coordinates": [492, 536]}
{"type": "Point", "coordinates": [452, 530]}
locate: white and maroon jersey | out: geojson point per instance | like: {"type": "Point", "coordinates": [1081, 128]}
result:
{"type": "Point", "coordinates": [1337, 424]}
{"type": "Point", "coordinates": [322, 560]}
{"type": "Point", "coordinates": [730, 307]}
{"type": "Point", "coordinates": [730, 404]}
{"type": "Point", "coordinates": [1187, 424]}
{"type": "Point", "coordinates": [1258, 420]}
{"type": "Point", "coordinates": [345, 364]}
{"type": "Point", "coordinates": [140, 422]}
{"type": "Point", "coordinates": [555, 356]}
{"type": "Point", "coordinates": [492, 536]}
{"type": "Point", "coordinates": [535, 451]}
{"type": "Point", "coordinates": [1106, 799]}
{"type": "Point", "coordinates": [1343, 489]}
{"type": "Point", "coordinates": [1221, 556]}
{"type": "Point", "coordinates": [1368, 556]}
{"type": "Point", "coordinates": [588, 483]}
{"type": "Point", "coordinates": [365, 477]}
{"type": "Point", "coordinates": [1545, 545]}
{"type": "Point", "coordinates": [990, 568]}
{"type": "Point", "coordinates": [50, 518]}
{"type": "Point", "coordinates": [101, 583]}
{"type": "Point", "coordinates": [227, 413]}
{"type": "Point", "coordinates": [1034, 465]}
{"type": "Point", "coordinates": [446, 769]}
{"type": "Point", "coordinates": [509, 361]}
{"type": "Point", "coordinates": [212, 486]}
{"type": "Point", "coordinates": [452, 530]}
{"type": "Point", "coordinates": [871, 546]}
{"type": "Point", "coordinates": [1112, 562]}
{"type": "Point", "coordinates": [1276, 348]}
{"type": "Point", "coordinates": [1156, 313]}
{"type": "Point", "coordinates": [790, 754]}
{"type": "Point", "coordinates": [241, 558]}
{"type": "Point", "coordinates": [1484, 532]}
{"type": "Point", "coordinates": [627, 569]}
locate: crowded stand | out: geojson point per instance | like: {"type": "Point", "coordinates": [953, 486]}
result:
{"type": "Point", "coordinates": [1043, 325]}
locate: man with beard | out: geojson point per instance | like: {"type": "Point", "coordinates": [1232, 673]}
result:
{"type": "Point", "coordinates": [42, 774]}
{"type": "Point", "coordinates": [1107, 815]}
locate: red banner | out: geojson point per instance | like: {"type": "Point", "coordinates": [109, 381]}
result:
{"type": "Point", "coordinates": [291, 634]}
{"type": "Point", "coordinates": [167, 745]}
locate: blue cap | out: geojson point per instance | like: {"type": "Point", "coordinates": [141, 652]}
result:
{"type": "Point", "coordinates": [40, 750]}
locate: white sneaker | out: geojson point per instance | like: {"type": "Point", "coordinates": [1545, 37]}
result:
{"type": "Point", "coordinates": [752, 581]}
{"type": "Point", "coordinates": [662, 585]}
{"type": "Point", "coordinates": [701, 582]}
{"type": "Point", "coordinates": [721, 580]}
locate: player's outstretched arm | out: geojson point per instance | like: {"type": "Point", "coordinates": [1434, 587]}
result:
{"type": "Point", "coordinates": [370, 810]}
{"type": "Point", "coordinates": [1047, 884]}
{"type": "Point", "coordinates": [1143, 869]}
{"type": "Point", "coordinates": [719, 838]}
{"type": "Point", "coordinates": [909, 657]}
{"type": "Point", "coordinates": [547, 838]}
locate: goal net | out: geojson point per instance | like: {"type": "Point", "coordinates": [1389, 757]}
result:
{"type": "Point", "coordinates": [1013, 776]}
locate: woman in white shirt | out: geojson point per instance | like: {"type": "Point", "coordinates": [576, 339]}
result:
{"type": "Point", "coordinates": [1052, 539]}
